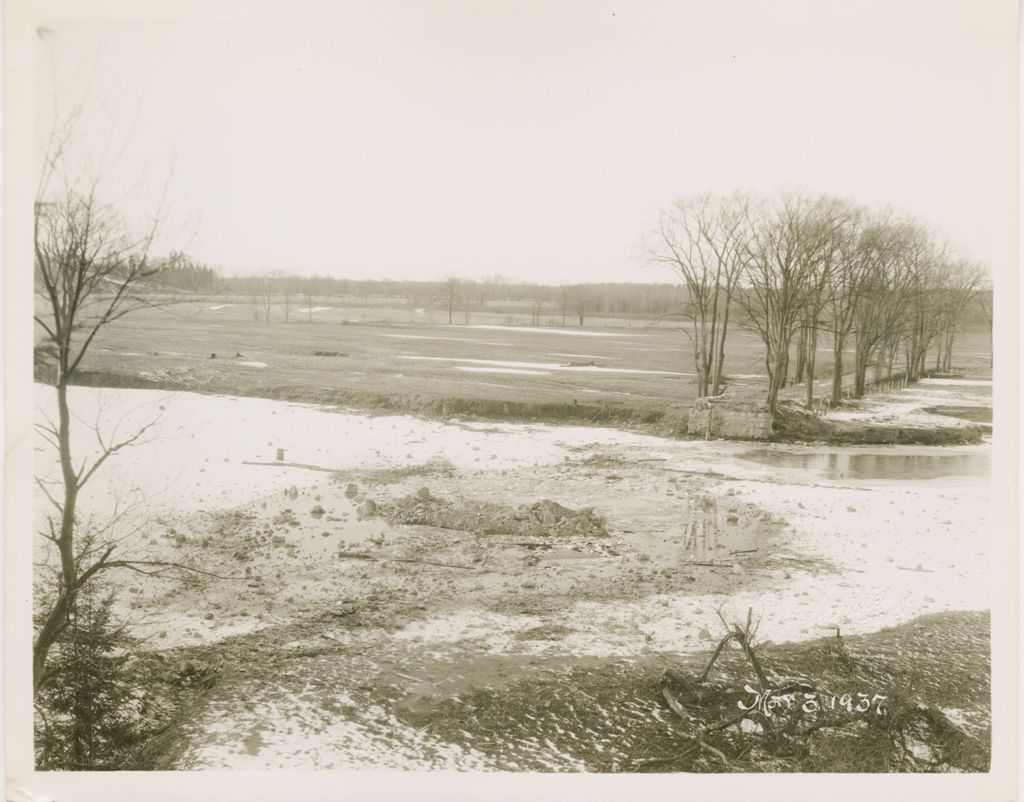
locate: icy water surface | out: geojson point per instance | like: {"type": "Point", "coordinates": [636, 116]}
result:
{"type": "Point", "coordinates": [832, 464]}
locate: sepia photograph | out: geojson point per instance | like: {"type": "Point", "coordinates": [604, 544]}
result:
{"type": "Point", "coordinates": [556, 397]}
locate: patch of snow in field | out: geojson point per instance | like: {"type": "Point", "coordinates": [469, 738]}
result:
{"type": "Point", "coordinates": [904, 413]}
{"type": "Point", "coordinates": [956, 715]}
{"type": "Point", "coordinates": [958, 382]}
{"type": "Point", "coordinates": [304, 731]}
{"type": "Point", "coordinates": [581, 356]}
{"type": "Point", "coordinates": [191, 630]}
{"type": "Point", "coordinates": [540, 330]}
{"type": "Point", "coordinates": [541, 365]}
{"type": "Point", "coordinates": [904, 407]}
{"type": "Point", "coordinates": [319, 309]}
{"type": "Point", "coordinates": [446, 339]}
{"type": "Point", "coordinates": [253, 364]}
{"type": "Point", "coordinates": [493, 630]}
{"type": "Point", "coordinates": [215, 308]}
{"type": "Point", "coordinates": [605, 392]}
{"type": "Point", "coordinates": [470, 369]}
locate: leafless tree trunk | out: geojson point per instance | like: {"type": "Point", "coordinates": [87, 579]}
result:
{"type": "Point", "coordinates": [580, 295]}
{"type": "Point", "coordinates": [702, 240]}
{"type": "Point", "coordinates": [264, 295]}
{"type": "Point", "coordinates": [959, 284]}
{"type": "Point", "coordinates": [90, 271]}
{"type": "Point", "coordinates": [985, 302]}
{"type": "Point", "coordinates": [801, 350]}
{"type": "Point", "coordinates": [450, 295]}
{"type": "Point", "coordinates": [283, 284]}
{"type": "Point", "coordinates": [785, 255]}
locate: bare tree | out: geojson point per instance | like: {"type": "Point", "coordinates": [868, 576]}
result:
{"type": "Point", "coordinates": [285, 288]}
{"type": "Point", "coordinates": [264, 295]}
{"type": "Point", "coordinates": [309, 288]}
{"type": "Point", "coordinates": [89, 273]}
{"type": "Point", "coordinates": [985, 299]}
{"type": "Point", "coordinates": [862, 245]}
{"type": "Point", "coordinates": [579, 296]}
{"type": "Point", "coordinates": [916, 276]}
{"type": "Point", "coordinates": [91, 268]}
{"type": "Point", "coordinates": [831, 245]}
{"type": "Point", "coordinates": [449, 294]}
{"type": "Point", "coordinates": [895, 300]}
{"type": "Point", "coordinates": [961, 282]}
{"type": "Point", "coordinates": [784, 254]}
{"type": "Point", "coordinates": [470, 291]}
{"type": "Point", "coordinates": [703, 240]}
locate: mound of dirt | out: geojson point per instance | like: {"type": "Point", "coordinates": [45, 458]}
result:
{"type": "Point", "coordinates": [795, 423]}
{"type": "Point", "coordinates": [544, 518]}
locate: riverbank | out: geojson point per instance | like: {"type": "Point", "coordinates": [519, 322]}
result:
{"type": "Point", "coordinates": [904, 417]}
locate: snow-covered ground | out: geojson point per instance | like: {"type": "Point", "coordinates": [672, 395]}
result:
{"type": "Point", "coordinates": [906, 406]}
{"type": "Point", "coordinates": [211, 452]}
{"type": "Point", "coordinates": [873, 536]}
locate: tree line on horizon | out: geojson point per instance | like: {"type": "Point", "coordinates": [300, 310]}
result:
{"type": "Point", "coordinates": [280, 295]}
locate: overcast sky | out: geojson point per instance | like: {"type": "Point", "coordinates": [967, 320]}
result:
{"type": "Point", "coordinates": [540, 140]}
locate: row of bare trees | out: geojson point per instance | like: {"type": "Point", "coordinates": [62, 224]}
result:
{"type": "Point", "coordinates": [797, 267]}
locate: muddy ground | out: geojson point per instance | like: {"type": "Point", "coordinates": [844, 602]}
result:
{"type": "Point", "coordinates": [398, 593]}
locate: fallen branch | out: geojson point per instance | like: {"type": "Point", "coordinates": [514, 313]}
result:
{"type": "Point", "coordinates": [162, 567]}
{"type": "Point", "coordinates": [788, 712]}
{"type": "Point", "coordinates": [674, 704]}
{"type": "Point", "coordinates": [304, 465]}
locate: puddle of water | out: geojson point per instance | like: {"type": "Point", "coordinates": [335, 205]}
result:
{"type": "Point", "coordinates": [840, 465]}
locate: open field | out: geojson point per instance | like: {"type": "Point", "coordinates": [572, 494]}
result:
{"type": "Point", "coordinates": [635, 375]}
